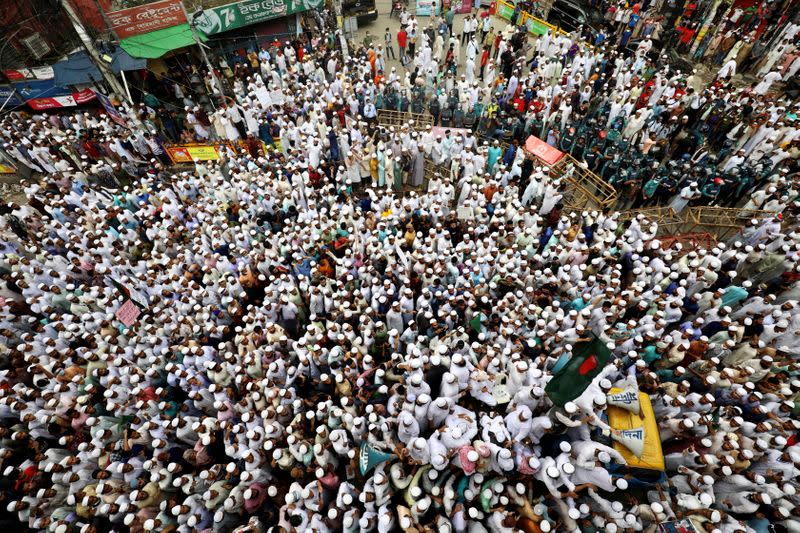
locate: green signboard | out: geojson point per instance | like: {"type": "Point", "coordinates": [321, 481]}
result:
{"type": "Point", "coordinates": [536, 27]}
{"type": "Point", "coordinates": [505, 11]}
{"type": "Point", "coordinates": [232, 16]}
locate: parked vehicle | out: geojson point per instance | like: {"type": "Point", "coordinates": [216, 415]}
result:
{"type": "Point", "coordinates": [570, 15]}
{"type": "Point", "coordinates": [362, 9]}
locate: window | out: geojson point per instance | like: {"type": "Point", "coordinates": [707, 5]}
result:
{"type": "Point", "coordinates": [37, 46]}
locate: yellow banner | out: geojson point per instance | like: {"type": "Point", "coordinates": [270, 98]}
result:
{"type": "Point", "coordinates": [204, 153]}
{"type": "Point", "coordinates": [192, 153]}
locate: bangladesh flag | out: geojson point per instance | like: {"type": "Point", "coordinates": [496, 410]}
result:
{"type": "Point", "coordinates": [569, 382]}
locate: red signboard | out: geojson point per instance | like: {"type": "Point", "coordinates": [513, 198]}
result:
{"type": "Point", "coordinates": [73, 99]}
{"type": "Point", "coordinates": [543, 151]}
{"type": "Point", "coordinates": [146, 18]}
{"type": "Point", "coordinates": [465, 7]}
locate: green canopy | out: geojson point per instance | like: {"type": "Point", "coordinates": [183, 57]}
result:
{"type": "Point", "coordinates": [159, 42]}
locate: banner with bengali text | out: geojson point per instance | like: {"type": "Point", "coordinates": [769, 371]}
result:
{"type": "Point", "coordinates": [239, 14]}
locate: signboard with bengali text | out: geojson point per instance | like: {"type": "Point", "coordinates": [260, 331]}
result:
{"type": "Point", "coordinates": [144, 19]}
{"type": "Point", "coordinates": [239, 14]}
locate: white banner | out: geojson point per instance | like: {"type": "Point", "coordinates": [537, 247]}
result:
{"type": "Point", "coordinates": [43, 73]}
{"type": "Point", "coordinates": [633, 439]}
{"type": "Point", "coordinates": [627, 399]}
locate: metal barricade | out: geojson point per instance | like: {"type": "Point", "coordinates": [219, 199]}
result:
{"type": "Point", "coordinates": [724, 222]}
{"type": "Point", "coordinates": [584, 189]}
{"type": "Point", "coordinates": [689, 242]}
{"type": "Point", "coordinates": [669, 222]}
{"type": "Point", "coordinates": [388, 117]}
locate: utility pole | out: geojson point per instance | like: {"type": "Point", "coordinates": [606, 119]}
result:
{"type": "Point", "coordinates": [94, 55]}
{"type": "Point", "coordinates": [201, 46]}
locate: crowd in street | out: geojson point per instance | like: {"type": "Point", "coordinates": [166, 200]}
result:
{"type": "Point", "coordinates": [316, 332]}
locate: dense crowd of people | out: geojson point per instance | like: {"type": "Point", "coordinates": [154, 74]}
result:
{"type": "Point", "coordinates": [316, 332]}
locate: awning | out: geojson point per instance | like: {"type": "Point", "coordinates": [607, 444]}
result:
{"type": "Point", "coordinates": [79, 68]}
{"type": "Point", "coordinates": [157, 43]}
{"type": "Point", "coordinates": [124, 61]}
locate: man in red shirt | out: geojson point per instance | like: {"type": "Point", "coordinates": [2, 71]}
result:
{"type": "Point", "coordinates": [402, 42]}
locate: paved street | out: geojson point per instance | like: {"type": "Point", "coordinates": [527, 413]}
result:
{"type": "Point", "coordinates": [378, 27]}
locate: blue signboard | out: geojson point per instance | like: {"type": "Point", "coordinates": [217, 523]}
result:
{"type": "Point", "coordinates": [9, 96]}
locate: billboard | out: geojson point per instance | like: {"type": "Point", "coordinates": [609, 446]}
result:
{"type": "Point", "coordinates": [144, 19]}
{"type": "Point", "coordinates": [240, 14]}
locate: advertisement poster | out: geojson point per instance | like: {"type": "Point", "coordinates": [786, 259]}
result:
{"type": "Point", "coordinates": [465, 7]}
{"type": "Point", "coordinates": [144, 19]}
{"type": "Point", "coordinates": [240, 14]}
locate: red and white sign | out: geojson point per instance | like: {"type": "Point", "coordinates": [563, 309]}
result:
{"type": "Point", "coordinates": [128, 313]}
{"type": "Point", "coordinates": [543, 151]}
{"type": "Point", "coordinates": [70, 100]}
{"type": "Point", "coordinates": [16, 75]}
{"type": "Point", "coordinates": [146, 18]}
